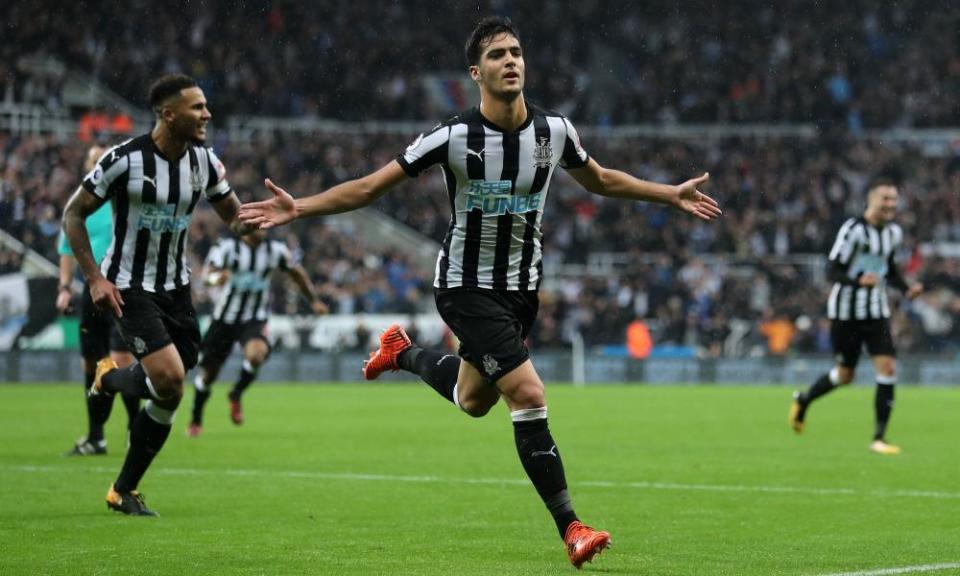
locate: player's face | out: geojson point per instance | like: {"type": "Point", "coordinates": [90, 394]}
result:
{"type": "Point", "coordinates": [883, 202]}
{"type": "Point", "coordinates": [190, 115]}
{"type": "Point", "coordinates": [501, 70]}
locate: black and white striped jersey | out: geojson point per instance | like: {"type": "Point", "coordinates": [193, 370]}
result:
{"type": "Point", "coordinates": [497, 186]}
{"type": "Point", "coordinates": [246, 295]}
{"type": "Point", "coordinates": [153, 201]}
{"type": "Point", "coordinates": [862, 248]}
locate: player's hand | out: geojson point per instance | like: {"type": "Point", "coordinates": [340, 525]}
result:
{"type": "Point", "coordinates": [695, 202]}
{"type": "Point", "coordinates": [63, 300]}
{"type": "Point", "coordinates": [106, 296]}
{"type": "Point", "coordinates": [269, 213]}
{"type": "Point", "coordinates": [869, 280]}
{"type": "Point", "coordinates": [319, 308]}
{"type": "Point", "coordinates": [913, 291]}
{"type": "Point", "coordinates": [64, 297]}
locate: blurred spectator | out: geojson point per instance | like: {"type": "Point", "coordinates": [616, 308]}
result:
{"type": "Point", "coordinates": [779, 332]}
{"type": "Point", "coordinates": [688, 281]}
{"type": "Point", "coordinates": [843, 66]}
{"type": "Point", "coordinates": [639, 342]}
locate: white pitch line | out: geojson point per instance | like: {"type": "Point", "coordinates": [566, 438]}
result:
{"type": "Point", "coordinates": [511, 481]}
{"type": "Point", "coordinates": [900, 570]}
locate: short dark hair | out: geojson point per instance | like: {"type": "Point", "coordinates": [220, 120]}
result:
{"type": "Point", "coordinates": [166, 86]}
{"type": "Point", "coordinates": [884, 180]}
{"type": "Point", "coordinates": [485, 29]}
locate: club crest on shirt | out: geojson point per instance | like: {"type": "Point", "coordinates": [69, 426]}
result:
{"type": "Point", "coordinates": [543, 153]}
{"type": "Point", "coordinates": [196, 180]}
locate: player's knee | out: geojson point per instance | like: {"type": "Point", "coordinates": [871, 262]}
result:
{"type": "Point", "coordinates": [256, 351]}
{"type": "Point", "coordinates": [887, 368]}
{"type": "Point", "coordinates": [842, 376]}
{"type": "Point", "coordinates": [477, 407]}
{"type": "Point", "coordinates": [168, 382]}
{"type": "Point", "coordinates": [530, 396]}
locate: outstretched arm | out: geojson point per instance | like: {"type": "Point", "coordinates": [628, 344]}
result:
{"type": "Point", "coordinates": [303, 282]}
{"type": "Point", "coordinates": [617, 184]}
{"type": "Point", "coordinates": [350, 195]}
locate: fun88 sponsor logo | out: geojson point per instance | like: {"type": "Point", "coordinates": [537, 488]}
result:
{"type": "Point", "coordinates": [494, 198]}
{"type": "Point", "coordinates": [248, 281]}
{"type": "Point", "coordinates": [161, 219]}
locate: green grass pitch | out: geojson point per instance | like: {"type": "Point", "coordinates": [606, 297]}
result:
{"type": "Point", "coordinates": [389, 479]}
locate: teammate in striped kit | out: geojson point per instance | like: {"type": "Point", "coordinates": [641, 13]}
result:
{"type": "Point", "coordinates": [863, 261]}
{"type": "Point", "coordinates": [242, 267]}
{"type": "Point", "coordinates": [98, 335]}
{"type": "Point", "coordinates": [154, 182]}
{"type": "Point", "coordinates": [497, 162]}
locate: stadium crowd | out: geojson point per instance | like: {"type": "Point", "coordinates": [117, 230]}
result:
{"type": "Point", "coordinates": [693, 283]}
{"type": "Point", "coordinates": [842, 67]}
{"type": "Point", "coordinates": [854, 64]}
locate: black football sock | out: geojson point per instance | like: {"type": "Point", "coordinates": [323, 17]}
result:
{"type": "Point", "coordinates": [149, 432]}
{"type": "Point", "coordinates": [131, 381]}
{"type": "Point", "coordinates": [437, 369]}
{"type": "Point", "coordinates": [132, 404]}
{"type": "Point", "coordinates": [201, 393]}
{"type": "Point", "coordinates": [883, 406]}
{"type": "Point", "coordinates": [200, 398]}
{"type": "Point", "coordinates": [407, 360]}
{"type": "Point", "coordinates": [823, 385]}
{"type": "Point", "coordinates": [247, 375]}
{"type": "Point", "coordinates": [541, 460]}
{"type": "Point", "coordinates": [98, 411]}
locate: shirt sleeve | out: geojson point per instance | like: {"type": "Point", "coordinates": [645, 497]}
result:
{"type": "Point", "coordinates": [845, 244]}
{"type": "Point", "coordinates": [285, 259]}
{"type": "Point", "coordinates": [428, 149]}
{"type": "Point", "coordinates": [217, 186]}
{"type": "Point", "coordinates": [574, 156]}
{"type": "Point", "coordinates": [108, 168]}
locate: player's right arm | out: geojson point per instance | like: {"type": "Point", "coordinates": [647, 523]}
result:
{"type": "Point", "coordinates": [344, 197]}
{"type": "Point", "coordinates": [842, 254]}
{"type": "Point", "coordinates": [82, 204]}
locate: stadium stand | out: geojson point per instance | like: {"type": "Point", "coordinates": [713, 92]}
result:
{"type": "Point", "coordinates": [784, 189]}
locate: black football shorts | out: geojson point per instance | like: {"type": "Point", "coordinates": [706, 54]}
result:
{"type": "Point", "coordinates": [491, 325]}
{"type": "Point", "coordinates": [850, 336]}
{"type": "Point", "coordinates": [153, 320]}
{"type": "Point", "coordinates": [220, 337]}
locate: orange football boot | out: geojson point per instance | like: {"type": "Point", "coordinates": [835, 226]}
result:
{"type": "Point", "coordinates": [393, 341]}
{"type": "Point", "coordinates": [583, 543]}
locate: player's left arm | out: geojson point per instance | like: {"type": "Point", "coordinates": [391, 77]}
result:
{"type": "Point", "coordinates": [617, 184]}
{"type": "Point", "coordinates": [895, 279]}
{"type": "Point", "coordinates": [300, 277]}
